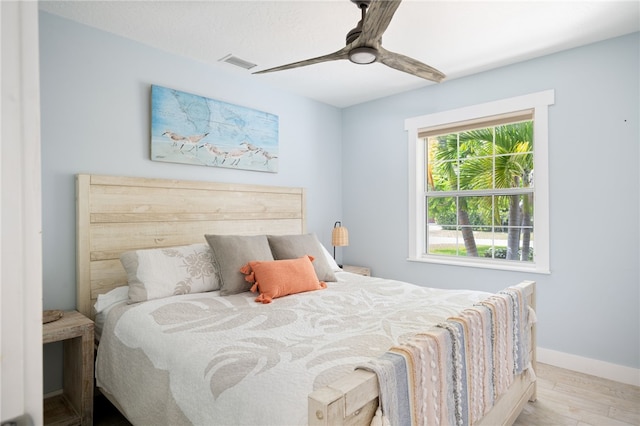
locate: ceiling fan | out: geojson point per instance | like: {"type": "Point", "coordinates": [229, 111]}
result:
{"type": "Point", "coordinates": [364, 44]}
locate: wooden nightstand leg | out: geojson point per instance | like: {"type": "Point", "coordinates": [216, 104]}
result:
{"type": "Point", "coordinates": [87, 378]}
{"type": "Point", "coordinates": [78, 376]}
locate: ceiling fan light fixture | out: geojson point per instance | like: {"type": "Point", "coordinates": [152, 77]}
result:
{"type": "Point", "coordinates": [363, 55]}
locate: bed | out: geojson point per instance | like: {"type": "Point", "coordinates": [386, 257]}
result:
{"type": "Point", "coordinates": [116, 215]}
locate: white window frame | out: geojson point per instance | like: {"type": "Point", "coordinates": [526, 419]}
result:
{"type": "Point", "coordinates": [539, 102]}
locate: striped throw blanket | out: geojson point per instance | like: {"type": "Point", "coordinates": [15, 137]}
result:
{"type": "Point", "coordinates": [453, 373]}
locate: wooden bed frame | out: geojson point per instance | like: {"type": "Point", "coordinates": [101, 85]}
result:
{"type": "Point", "coordinates": [117, 214]}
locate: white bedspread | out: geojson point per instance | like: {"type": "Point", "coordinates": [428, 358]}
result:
{"type": "Point", "coordinates": [205, 359]}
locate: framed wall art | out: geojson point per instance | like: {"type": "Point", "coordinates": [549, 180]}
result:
{"type": "Point", "coordinates": [192, 129]}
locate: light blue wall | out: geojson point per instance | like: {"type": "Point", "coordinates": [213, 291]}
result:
{"type": "Point", "coordinates": [589, 305]}
{"type": "Point", "coordinates": [95, 95]}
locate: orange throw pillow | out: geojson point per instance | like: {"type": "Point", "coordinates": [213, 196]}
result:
{"type": "Point", "coordinates": [279, 278]}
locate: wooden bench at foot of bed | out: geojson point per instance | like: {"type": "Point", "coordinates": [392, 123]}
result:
{"type": "Point", "coordinates": [353, 399]}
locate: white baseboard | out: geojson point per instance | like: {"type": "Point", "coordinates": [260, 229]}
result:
{"type": "Point", "coordinates": [606, 370]}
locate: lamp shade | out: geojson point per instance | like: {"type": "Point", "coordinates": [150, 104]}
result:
{"type": "Point", "coordinates": [340, 235]}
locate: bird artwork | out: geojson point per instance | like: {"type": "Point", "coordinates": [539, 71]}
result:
{"type": "Point", "coordinates": [267, 156]}
{"type": "Point", "coordinates": [215, 152]}
{"type": "Point", "coordinates": [235, 156]}
{"type": "Point", "coordinates": [193, 140]}
{"type": "Point", "coordinates": [192, 129]}
{"type": "Point", "coordinates": [250, 147]}
{"type": "Point", "coordinates": [175, 138]}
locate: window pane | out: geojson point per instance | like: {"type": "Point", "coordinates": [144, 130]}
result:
{"type": "Point", "coordinates": [476, 211]}
{"type": "Point", "coordinates": [476, 143]}
{"type": "Point", "coordinates": [442, 211]}
{"type": "Point", "coordinates": [515, 137]}
{"type": "Point", "coordinates": [514, 235]}
{"type": "Point", "coordinates": [514, 210]}
{"type": "Point", "coordinates": [442, 158]}
{"type": "Point", "coordinates": [521, 250]}
{"type": "Point", "coordinates": [443, 241]}
{"type": "Point", "coordinates": [444, 176]}
{"type": "Point", "coordinates": [476, 173]}
{"type": "Point", "coordinates": [465, 241]}
{"type": "Point", "coordinates": [514, 170]}
{"type": "Point", "coordinates": [469, 241]}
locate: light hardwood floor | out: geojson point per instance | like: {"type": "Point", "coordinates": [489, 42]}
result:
{"type": "Point", "coordinates": [569, 398]}
{"type": "Point", "coordinates": [564, 398]}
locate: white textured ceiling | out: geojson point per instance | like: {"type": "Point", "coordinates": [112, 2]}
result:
{"type": "Point", "coordinates": [457, 37]}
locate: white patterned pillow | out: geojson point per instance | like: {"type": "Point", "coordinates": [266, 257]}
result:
{"type": "Point", "coordinates": [157, 273]}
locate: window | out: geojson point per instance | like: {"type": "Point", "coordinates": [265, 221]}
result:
{"type": "Point", "coordinates": [479, 185]}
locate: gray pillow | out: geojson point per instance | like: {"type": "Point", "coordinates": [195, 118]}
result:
{"type": "Point", "coordinates": [295, 246]}
{"type": "Point", "coordinates": [232, 252]}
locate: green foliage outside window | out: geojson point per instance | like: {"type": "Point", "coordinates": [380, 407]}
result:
{"type": "Point", "coordinates": [481, 180]}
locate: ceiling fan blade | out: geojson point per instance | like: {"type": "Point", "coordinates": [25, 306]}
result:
{"type": "Point", "coordinates": [376, 21]}
{"type": "Point", "coordinates": [409, 65]}
{"type": "Point", "coordinates": [340, 54]}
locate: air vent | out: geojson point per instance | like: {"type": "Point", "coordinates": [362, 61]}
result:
{"type": "Point", "coordinates": [234, 60]}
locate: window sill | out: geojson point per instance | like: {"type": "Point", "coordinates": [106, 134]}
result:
{"type": "Point", "coordinates": [483, 264]}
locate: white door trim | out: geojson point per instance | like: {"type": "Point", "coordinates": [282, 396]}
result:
{"type": "Point", "coordinates": [20, 215]}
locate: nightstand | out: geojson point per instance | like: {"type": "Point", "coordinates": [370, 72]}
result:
{"type": "Point", "coordinates": [75, 405]}
{"type": "Point", "coordinates": [360, 270]}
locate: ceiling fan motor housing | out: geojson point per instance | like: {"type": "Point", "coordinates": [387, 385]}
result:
{"type": "Point", "coordinates": [361, 55]}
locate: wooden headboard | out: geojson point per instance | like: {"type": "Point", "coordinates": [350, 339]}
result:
{"type": "Point", "coordinates": [117, 214]}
